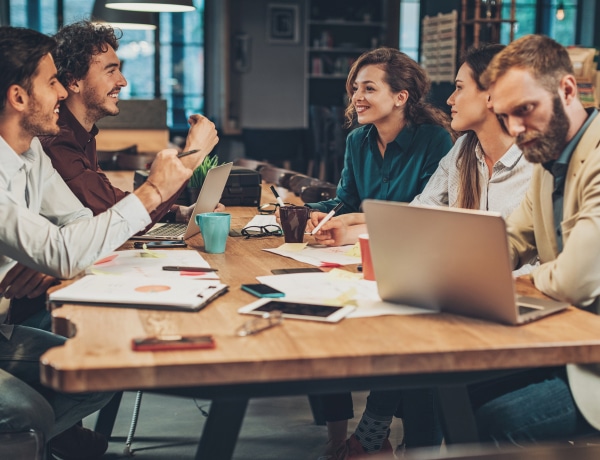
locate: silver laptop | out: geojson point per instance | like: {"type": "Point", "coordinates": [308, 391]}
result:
{"type": "Point", "coordinates": [208, 198]}
{"type": "Point", "coordinates": [447, 259]}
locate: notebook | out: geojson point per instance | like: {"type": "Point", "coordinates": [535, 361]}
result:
{"type": "Point", "coordinates": [448, 259]}
{"type": "Point", "coordinates": [208, 198]}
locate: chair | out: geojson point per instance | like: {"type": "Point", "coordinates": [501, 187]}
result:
{"type": "Point", "coordinates": [28, 445]}
{"type": "Point", "coordinates": [107, 159]}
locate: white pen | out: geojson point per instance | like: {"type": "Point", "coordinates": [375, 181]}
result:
{"type": "Point", "coordinates": [326, 218]}
{"type": "Point", "coordinates": [277, 197]}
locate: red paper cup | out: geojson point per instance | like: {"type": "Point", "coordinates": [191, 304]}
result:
{"type": "Point", "coordinates": [365, 255]}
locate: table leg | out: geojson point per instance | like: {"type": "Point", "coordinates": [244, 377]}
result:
{"type": "Point", "coordinates": [221, 429]}
{"type": "Point", "coordinates": [458, 420]}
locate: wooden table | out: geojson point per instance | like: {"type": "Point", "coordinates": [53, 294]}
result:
{"type": "Point", "coordinates": [301, 357]}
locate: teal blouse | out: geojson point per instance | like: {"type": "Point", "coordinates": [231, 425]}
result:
{"type": "Point", "coordinates": [400, 175]}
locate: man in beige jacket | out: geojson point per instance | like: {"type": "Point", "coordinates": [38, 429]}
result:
{"type": "Point", "coordinates": [534, 92]}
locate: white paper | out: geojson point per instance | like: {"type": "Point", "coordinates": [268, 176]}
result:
{"type": "Point", "coordinates": [131, 262]}
{"type": "Point", "coordinates": [335, 288]}
{"type": "Point", "coordinates": [321, 255]}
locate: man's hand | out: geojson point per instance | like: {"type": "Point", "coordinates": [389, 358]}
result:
{"type": "Point", "coordinates": [167, 176]}
{"type": "Point", "coordinates": [21, 281]}
{"type": "Point", "coordinates": [184, 213]}
{"type": "Point", "coordinates": [202, 136]}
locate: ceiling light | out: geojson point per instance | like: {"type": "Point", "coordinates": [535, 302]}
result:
{"type": "Point", "coordinates": [156, 6]}
{"type": "Point", "coordinates": [126, 20]}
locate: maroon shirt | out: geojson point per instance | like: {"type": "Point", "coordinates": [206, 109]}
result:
{"type": "Point", "coordinates": [73, 155]}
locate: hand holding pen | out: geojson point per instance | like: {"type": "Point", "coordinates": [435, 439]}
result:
{"type": "Point", "coordinates": [326, 219]}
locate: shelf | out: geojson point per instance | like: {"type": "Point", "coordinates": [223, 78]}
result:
{"type": "Point", "coordinates": [338, 50]}
{"type": "Point", "coordinates": [340, 76]}
{"type": "Point", "coordinates": [343, 23]}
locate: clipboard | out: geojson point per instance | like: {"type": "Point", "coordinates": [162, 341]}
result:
{"type": "Point", "coordinates": [179, 294]}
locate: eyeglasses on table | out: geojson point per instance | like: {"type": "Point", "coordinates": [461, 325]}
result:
{"type": "Point", "coordinates": [260, 231]}
{"type": "Point", "coordinates": [266, 321]}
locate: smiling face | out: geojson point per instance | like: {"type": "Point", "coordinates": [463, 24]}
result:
{"type": "Point", "coordinates": [469, 104]}
{"type": "Point", "coordinates": [101, 86]}
{"type": "Point", "coordinates": [373, 100]}
{"type": "Point", "coordinates": [41, 115]}
{"type": "Point", "coordinates": [532, 114]}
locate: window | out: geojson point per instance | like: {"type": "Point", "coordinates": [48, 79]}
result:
{"type": "Point", "coordinates": [410, 22]}
{"type": "Point", "coordinates": [181, 53]}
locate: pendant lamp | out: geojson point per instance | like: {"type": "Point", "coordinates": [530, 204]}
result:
{"type": "Point", "coordinates": [126, 20]}
{"type": "Point", "coordinates": [155, 6]}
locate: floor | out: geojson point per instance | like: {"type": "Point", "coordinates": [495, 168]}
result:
{"type": "Point", "coordinates": [274, 428]}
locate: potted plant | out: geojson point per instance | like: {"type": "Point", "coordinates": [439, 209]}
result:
{"type": "Point", "coordinates": [190, 194]}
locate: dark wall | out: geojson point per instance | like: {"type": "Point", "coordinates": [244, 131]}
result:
{"type": "Point", "coordinates": [440, 91]}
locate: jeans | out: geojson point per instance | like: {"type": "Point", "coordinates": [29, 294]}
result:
{"type": "Point", "coordinates": [542, 409]}
{"type": "Point", "coordinates": [24, 402]}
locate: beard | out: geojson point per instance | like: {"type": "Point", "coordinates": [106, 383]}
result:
{"type": "Point", "coordinates": [37, 122]}
{"type": "Point", "coordinates": [547, 145]}
{"type": "Point", "coordinates": [96, 106]}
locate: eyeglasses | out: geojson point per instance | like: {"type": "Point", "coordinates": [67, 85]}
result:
{"type": "Point", "coordinates": [266, 321]}
{"type": "Point", "coordinates": [260, 231]}
{"type": "Point", "coordinates": [270, 208]}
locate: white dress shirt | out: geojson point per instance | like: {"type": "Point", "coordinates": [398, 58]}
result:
{"type": "Point", "coordinates": [502, 192]}
{"type": "Point", "coordinates": [45, 227]}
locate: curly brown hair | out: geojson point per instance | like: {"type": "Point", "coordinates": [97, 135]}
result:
{"type": "Point", "coordinates": [78, 43]}
{"type": "Point", "coordinates": [401, 73]}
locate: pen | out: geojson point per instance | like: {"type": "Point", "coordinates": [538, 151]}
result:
{"type": "Point", "coordinates": [326, 218]}
{"type": "Point", "coordinates": [277, 197]}
{"type": "Point", "coordinates": [174, 268]}
{"type": "Point", "coordinates": [185, 154]}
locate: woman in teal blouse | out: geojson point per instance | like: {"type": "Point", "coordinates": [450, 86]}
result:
{"type": "Point", "coordinates": [402, 137]}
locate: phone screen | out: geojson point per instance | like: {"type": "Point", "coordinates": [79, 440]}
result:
{"type": "Point", "coordinates": [298, 309]}
{"type": "Point", "coordinates": [159, 244]}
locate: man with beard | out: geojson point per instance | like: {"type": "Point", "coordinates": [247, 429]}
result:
{"type": "Point", "coordinates": [89, 69]}
{"type": "Point", "coordinates": [46, 230]}
{"type": "Point", "coordinates": [534, 92]}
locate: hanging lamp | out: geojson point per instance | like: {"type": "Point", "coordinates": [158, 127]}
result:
{"type": "Point", "coordinates": [155, 6]}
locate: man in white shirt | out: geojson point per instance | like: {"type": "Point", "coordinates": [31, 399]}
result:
{"type": "Point", "coordinates": [45, 228]}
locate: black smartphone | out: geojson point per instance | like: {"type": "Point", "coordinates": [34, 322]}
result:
{"type": "Point", "coordinates": [285, 271]}
{"type": "Point", "coordinates": [176, 342]}
{"type": "Point", "coordinates": [262, 290]}
{"type": "Point", "coordinates": [159, 244]}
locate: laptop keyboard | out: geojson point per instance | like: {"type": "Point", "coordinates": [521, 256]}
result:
{"type": "Point", "coordinates": [169, 230]}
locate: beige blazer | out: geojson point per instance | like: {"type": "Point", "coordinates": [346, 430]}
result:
{"type": "Point", "coordinates": [574, 274]}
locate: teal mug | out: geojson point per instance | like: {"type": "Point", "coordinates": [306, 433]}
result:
{"type": "Point", "coordinates": [214, 227]}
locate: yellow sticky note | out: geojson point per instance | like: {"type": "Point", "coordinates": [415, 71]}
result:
{"type": "Point", "coordinates": [292, 247]}
{"type": "Point", "coordinates": [354, 251]}
{"type": "Point", "coordinates": [148, 253]}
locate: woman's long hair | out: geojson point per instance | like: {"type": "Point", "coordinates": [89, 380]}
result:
{"type": "Point", "coordinates": [401, 73]}
{"type": "Point", "coordinates": [469, 187]}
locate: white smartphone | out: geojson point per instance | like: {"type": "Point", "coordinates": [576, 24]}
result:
{"type": "Point", "coordinates": [298, 310]}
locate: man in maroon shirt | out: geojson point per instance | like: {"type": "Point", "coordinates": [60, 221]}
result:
{"type": "Point", "coordinates": [88, 67]}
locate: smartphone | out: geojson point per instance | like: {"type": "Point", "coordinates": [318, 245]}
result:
{"type": "Point", "coordinates": [159, 244]}
{"type": "Point", "coordinates": [285, 271]}
{"type": "Point", "coordinates": [262, 290]}
{"type": "Point", "coordinates": [298, 310]}
{"type": "Point", "coordinates": [175, 342]}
